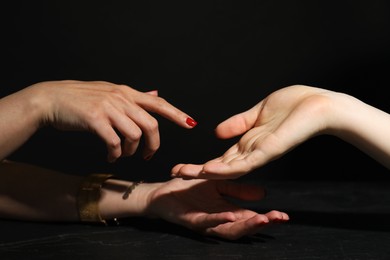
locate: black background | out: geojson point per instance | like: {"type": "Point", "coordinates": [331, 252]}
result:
{"type": "Point", "coordinates": [211, 59]}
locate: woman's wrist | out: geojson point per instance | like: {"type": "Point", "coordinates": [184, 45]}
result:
{"type": "Point", "coordinates": [123, 199]}
{"type": "Point", "coordinates": [345, 115]}
{"type": "Point", "coordinates": [42, 101]}
{"type": "Point", "coordinates": [338, 113]}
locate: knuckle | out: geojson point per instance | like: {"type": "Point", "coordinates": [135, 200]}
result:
{"type": "Point", "coordinates": [152, 125]}
{"type": "Point", "coordinates": [94, 115]}
{"type": "Point", "coordinates": [115, 143]}
{"type": "Point", "coordinates": [161, 102]}
{"type": "Point", "coordinates": [135, 135]}
{"type": "Point", "coordinates": [117, 92]}
{"type": "Point", "coordinates": [154, 147]}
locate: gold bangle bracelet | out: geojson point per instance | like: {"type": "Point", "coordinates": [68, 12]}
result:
{"type": "Point", "coordinates": [88, 198]}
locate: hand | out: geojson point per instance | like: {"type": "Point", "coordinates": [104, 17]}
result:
{"type": "Point", "coordinates": [276, 125]}
{"type": "Point", "coordinates": [200, 206]}
{"type": "Point", "coordinates": [111, 111]}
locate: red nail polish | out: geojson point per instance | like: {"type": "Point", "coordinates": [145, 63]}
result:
{"type": "Point", "coordinates": [191, 122]}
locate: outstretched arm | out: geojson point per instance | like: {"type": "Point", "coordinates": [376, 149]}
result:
{"type": "Point", "coordinates": [199, 205]}
{"type": "Point", "coordinates": [287, 118]}
{"type": "Point", "coordinates": [102, 108]}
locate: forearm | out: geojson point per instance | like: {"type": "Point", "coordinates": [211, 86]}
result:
{"type": "Point", "coordinates": [365, 127]}
{"type": "Point", "coordinates": [32, 193]}
{"type": "Point", "coordinates": [36, 194]}
{"type": "Point", "coordinates": [19, 119]}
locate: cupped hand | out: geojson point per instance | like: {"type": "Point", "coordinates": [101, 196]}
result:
{"type": "Point", "coordinates": [118, 114]}
{"type": "Point", "coordinates": [270, 129]}
{"type": "Point", "coordinates": [201, 205]}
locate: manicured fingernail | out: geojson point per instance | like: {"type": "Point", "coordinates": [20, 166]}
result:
{"type": "Point", "coordinates": [147, 158]}
{"type": "Point", "coordinates": [191, 122]}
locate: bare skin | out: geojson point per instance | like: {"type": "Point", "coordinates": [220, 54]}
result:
{"type": "Point", "coordinates": [96, 106]}
{"type": "Point", "coordinates": [33, 193]}
{"type": "Point", "coordinates": [199, 205]}
{"type": "Point", "coordinates": [287, 118]}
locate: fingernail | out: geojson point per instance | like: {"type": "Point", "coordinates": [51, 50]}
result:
{"type": "Point", "coordinates": [191, 122]}
{"type": "Point", "coordinates": [154, 92]}
{"type": "Point", "coordinates": [147, 158]}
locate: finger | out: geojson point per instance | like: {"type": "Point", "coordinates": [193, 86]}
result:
{"type": "Point", "coordinates": [186, 170]}
{"type": "Point", "coordinates": [217, 169]}
{"type": "Point", "coordinates": [149, 127]}
{"type": "Point", "coordinates": [130, 144]}
{"type": "Point", "coordinates": [238, 229]}
{"type": "Point", "coordinates": [237, 124]}
{"type": "Point", "coordinates": [205, 221]}
{"type": "Point", "coordinates": [195, 170]}
{"type": "Point", "coordinates": [277, 216]}
{"type": "Point", "coordinates": [234, 168]}
{"type": "Point", "coordinates": [112, 140]}
{"type": "Point", "coordinates": [160, 106]}
{"type": "Point", "coordinates": [211, 171]}
{"type": "Point", "coordinates": [130, 131]}
{"type": "Point", "coordinates": [214, 171]}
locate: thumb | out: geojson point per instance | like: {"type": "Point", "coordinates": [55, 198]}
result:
{"type": "Point", "coordinates": [238, 124]}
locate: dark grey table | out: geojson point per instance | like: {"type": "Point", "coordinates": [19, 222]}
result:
{"type": "Point", "coordinates": [329, 220]}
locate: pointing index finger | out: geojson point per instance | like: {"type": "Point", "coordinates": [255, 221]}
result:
{"type": "Point", "coordinates": [159, 105]}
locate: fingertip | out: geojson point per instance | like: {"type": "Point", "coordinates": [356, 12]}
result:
{"type": "Point", "coordinates": [114, 153]}
{"type": "Point", "coordinates": [153, 93]}
{"type": "Point", "coordinates": [220, 132]}
{"type": "Point", "coordinates": [148, 152]}
{"type": "Point", "coordinates": [191, 122]}
{"type": "Point", "coordinates": [185, 169]}
{"type": "Point", "coordinates": [174, 175]}
{"type": "Point", "coordinates": [277, 216]}
{"type": "Point", "coordinates": [111, 159]}
{"type": "Point", "coordinates": [175, 169]}
{"type": "Point", "coordinates": [263, 218]}
{"type": "Point", "coordinates": [230, 216]}
{"type": "Point", "coordinates": [183, 177]}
